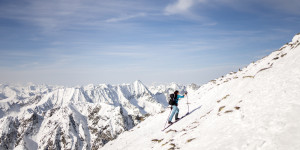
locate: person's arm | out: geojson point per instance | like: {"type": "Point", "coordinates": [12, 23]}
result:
{"type": "Point", "coordinates": [180, 96]}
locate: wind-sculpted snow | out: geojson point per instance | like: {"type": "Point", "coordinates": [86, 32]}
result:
{"type": "Point", "coordinates": [256, 107]}
{"type": "Point", "coordinates": [57, 117]}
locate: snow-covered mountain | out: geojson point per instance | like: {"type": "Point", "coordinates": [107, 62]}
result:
{"type": "Point", "coordinates": [57, 117]}
{"type": "Point", "coordinates": [254, 108]}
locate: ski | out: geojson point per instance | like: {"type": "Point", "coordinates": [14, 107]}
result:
{"type": "Point", "coordinates": [174, 122]}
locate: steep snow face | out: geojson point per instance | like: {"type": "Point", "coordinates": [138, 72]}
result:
{"type": "Point", "coordinates": [56, 117]}
{"type": "Point", "coordinates": [254, 108]}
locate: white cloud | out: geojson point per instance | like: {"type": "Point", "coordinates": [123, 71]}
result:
{"type": "Point", "coordinates": [184, 7]}
{"type": "Point", "coordinates": [181, 6]}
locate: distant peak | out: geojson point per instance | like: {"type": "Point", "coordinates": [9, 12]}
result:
{"type": "Point", "coordinates": [138, 85]}
{"type": "Point", "coordinates": [138, 82]}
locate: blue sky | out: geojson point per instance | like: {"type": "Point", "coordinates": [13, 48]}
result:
{"type": "Point", "coordinates": [77, 42]}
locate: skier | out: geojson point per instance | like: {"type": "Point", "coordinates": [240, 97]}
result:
{"type": "Point", "coordinates": [174, 108]}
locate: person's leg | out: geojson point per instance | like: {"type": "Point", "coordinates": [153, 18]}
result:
{"type": "Point", "coordinates": [176, 113]}
{"type": "Point", "coordinates": [173, 113]}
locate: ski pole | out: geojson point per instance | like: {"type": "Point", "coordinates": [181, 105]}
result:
{"type": "Point", "coordinates": [187, 102]}
{"type": "Point", "coordinates": [168, 117]}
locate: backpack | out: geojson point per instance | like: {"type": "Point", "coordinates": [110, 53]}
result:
{"type": "Point", "coordinates": [172, 99]}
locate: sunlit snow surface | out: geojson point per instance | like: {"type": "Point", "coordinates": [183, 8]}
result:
{"type": "Point", "coordinates": [255, 108]}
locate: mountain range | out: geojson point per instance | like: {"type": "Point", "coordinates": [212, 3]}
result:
{"type": "Point", "coordinates": [83, 117]}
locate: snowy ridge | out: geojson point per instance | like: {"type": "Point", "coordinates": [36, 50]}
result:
{"type": "Point", "coordinates": [57, 117]}
{"type": "Point", "coordinates": [254, 108]}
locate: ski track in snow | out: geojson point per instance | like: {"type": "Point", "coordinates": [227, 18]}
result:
{"type": "Point", "coordinates": [254, 108]}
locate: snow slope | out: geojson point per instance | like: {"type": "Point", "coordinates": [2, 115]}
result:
{"type": "Point", "coordinates": [257, 107]}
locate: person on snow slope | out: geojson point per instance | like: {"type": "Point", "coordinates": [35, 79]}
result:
{"type": "Point", "coordinates": [175, 109]}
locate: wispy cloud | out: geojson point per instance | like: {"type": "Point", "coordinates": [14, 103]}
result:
{"type": "Point", "coordinates": [185, 7]}
{"type": "Point", "coordinates": [57, 15]}
{"type": "Point", "coordinates": [127, 17]}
